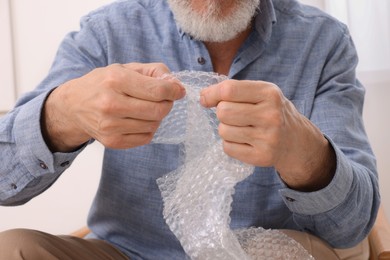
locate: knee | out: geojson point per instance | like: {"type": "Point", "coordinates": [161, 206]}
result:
{"type": "Point", "coordinates": [318, 248]}
{"type": "Point", "coordinates": [19, 243]}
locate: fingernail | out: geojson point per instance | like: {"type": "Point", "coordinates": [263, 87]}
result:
{"type": "Point", "coordinates": [182, 91]}
{"type": "Point", "coordinates": [202, 100]}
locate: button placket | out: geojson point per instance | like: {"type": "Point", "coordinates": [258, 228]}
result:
{"type": "Point", "coordinates": [199, 55]}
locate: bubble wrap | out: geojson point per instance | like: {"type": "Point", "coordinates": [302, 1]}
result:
{"type": "Point", "coordinates": [198, 195]}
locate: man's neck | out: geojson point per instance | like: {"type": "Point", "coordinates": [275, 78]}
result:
{"type": "Point", "coordinates": [222, 53]}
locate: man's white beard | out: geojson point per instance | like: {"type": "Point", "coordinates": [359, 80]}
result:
{"type": "Point", "coordinates": [209, 25]}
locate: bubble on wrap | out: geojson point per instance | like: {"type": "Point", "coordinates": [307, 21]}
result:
{"type": "Point", "coordinates": [264, 244]}
{"type": "Point", "coordinates": [198, 195]}
{"type": "Point", "coordinates": [187, 116]}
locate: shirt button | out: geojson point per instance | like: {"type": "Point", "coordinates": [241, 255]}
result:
{"type": "Point", "coordinates": [13, 186]}
{"type": "Point", "coordinates": [64, 164]}
{"type": "Point", "coordinates": [290, 199]}
{"type": "Point", "coordinates": [43, 165]}
{"type": "Point", "coordinates": [201, 60]}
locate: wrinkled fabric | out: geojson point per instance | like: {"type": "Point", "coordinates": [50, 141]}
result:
{"type": "Point", "coordinates": [306, 53]}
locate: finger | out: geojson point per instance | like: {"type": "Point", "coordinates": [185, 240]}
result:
{"type": "Point", "coordinates": [140, 81]}
{"type": "Point", "coordinates": [255, 136]}
{"type": "Point", "coordinates": [250, 144]}
{"type": "Point", "coordinates": [241, 114]}
{"type": "Point", "coordinates": [155, 70]}
{"type": "Point", "coordinates": [235, 134]}
{"type": "Point", "coordinates": [244, 91]}
{"type": "Point", "coordinates": [239, 151]}
{"type": "Point", "coordinates": [248, 154]}
{"type": "Point", "coordinates": [116, 126]}
{"type": "Point", "coordinates": [152, 89]}
{"type": "Point", "coordinates": [142, 109]}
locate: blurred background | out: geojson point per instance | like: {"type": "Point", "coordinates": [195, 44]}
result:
{"type": "Point", "coordinates": [32, 30]}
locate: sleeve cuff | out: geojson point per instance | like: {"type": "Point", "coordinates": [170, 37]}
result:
{"type": "Point", "coordinates": [32, 149]}
{"type": "Point", "coordinates": [311, 203]}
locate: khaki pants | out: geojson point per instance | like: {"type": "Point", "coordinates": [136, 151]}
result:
{"type": "Point", "coordinates": [321, 250]}
{"type": "Point", "coordinates": [35, 245]}
{"type": "Point", "coordinates": [27, 244]}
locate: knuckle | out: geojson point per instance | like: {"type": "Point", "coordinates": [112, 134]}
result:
{"type": "Point", "coordinates": [106, 104]}
{"type": "Point", "coordinates": [157, 92]}
{"type": "Point", "coordinates": [161, 110]}
{"type": "Point", "coordinates": [222, 110]}
{"type": "Point", "coordinates": [222, 130]}
{"type": "Point", "coordinates": [112, 71]}
{"type": "Point", "coordinates": [153, 126]}
{"type": "Point", "coordinates": [145, 138]}
{"type": "Point", "coordinates": [274, 92]}
{"type": "Point", "coordinates": [114, 66]}
{"type": "Point", "coordinates": [149, 138]}
{"type": "Point", "coordinates": [227, 148]}
{"type": "Point", "coordinates": [160, 66]}
{"type": "Point", "coordinates": [227, 90]}
{"type": "Point", "coordinates": [112, 75]}
{"type": "Point", "coordinates": [111, 141]}
{"type": "Point", "coordinates": [161, 91]}
{"type": "Point", "coordinates": [275, 118]}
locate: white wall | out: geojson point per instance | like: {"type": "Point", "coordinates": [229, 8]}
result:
{"type": "Point", "coordinates": [377, 123]}
{"type": "Point", "coordinates": [7, 97]}
{"type": "Point", "coordinates": [63, 208]}
{"type": "Point", "coordinates": [38, 28]}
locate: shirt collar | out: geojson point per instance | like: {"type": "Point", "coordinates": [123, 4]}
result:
{"type": "Point", "coordinates": [265, 19]}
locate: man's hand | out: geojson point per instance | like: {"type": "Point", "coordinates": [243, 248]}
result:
{"type": "Point", "coordinates": [261, 127]}
{"type": "Point", "coordinates": [121, 106]}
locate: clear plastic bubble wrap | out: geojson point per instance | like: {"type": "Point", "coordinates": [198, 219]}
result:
{"type": "Point", "coordinates": [198, 195]}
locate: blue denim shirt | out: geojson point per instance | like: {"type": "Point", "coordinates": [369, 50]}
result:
{"type": "Point", "coordinates": [308, 54]}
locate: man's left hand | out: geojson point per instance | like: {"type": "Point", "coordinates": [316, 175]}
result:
{"type": "Point", "coordinates": [260, 126]}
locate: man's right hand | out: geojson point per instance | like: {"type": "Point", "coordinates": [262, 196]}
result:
{"type": "Point", "coordinates": [121, 106]}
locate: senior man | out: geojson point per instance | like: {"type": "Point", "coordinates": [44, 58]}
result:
{"type": "Point", "coordinates": [292, 108]}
